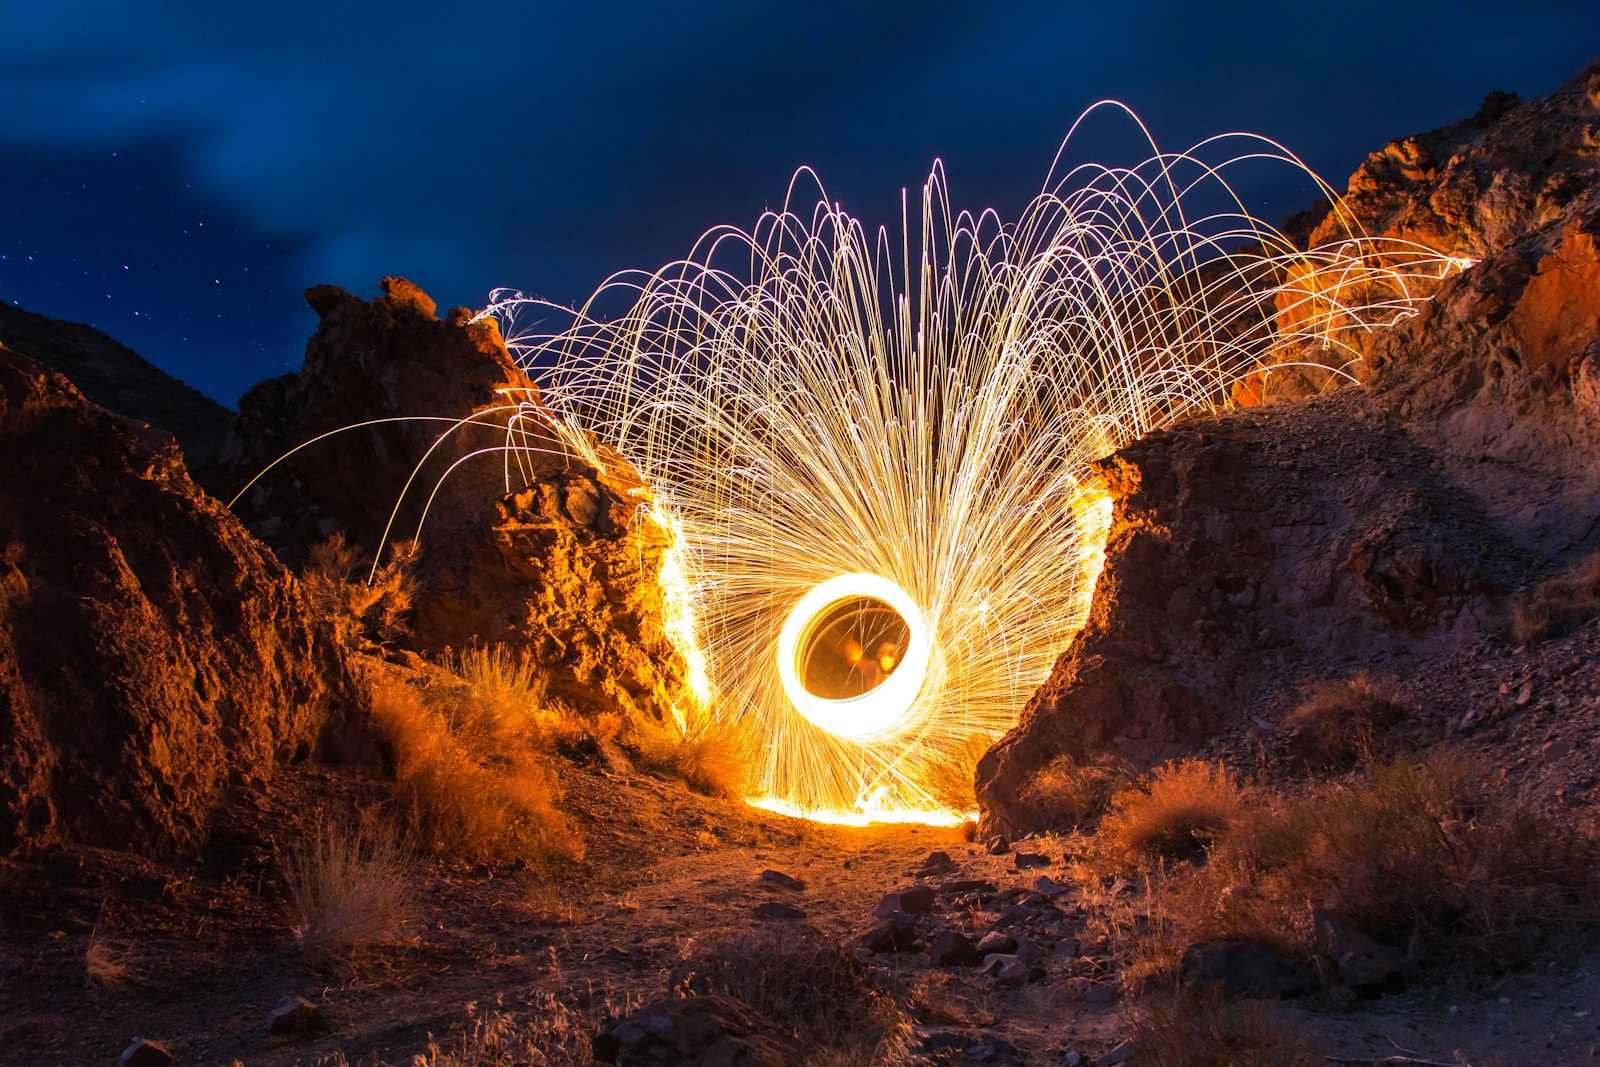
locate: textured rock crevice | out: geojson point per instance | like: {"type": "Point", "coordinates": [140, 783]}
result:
{"type": "Point", "coordinates": [150, 648]}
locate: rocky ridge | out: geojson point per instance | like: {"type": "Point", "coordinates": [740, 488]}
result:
{"type": "Point", "coordinates": [114, 376]}
{"type": "Point", "coordinates": [547, 546]}
{"type": "Point", "coordinates": [151, 651]}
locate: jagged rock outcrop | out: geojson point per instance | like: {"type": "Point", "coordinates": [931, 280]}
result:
{"type": "Point", "coordinates": [1380, 528]}
{"type": "Point", "coordinates": [1516, 173]}
{"type": "Point", "coordinates": [1249, 552]}
{"type": "Point", "coordinates": [117, 378]}
{"type": "Point", "coordinates": [1476, 186]}
{"type": "Point", "coordinates": [150, 648]}
{"type": "Point", "coordinates": [565, 564]}
{"type": "Point", "coordinates": [386, 359]}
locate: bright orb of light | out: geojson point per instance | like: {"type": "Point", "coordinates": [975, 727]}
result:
{"type": "Point", "coordinates": [853, 655]}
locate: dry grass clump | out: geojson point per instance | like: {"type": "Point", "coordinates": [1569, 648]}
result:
{"type": "Point", "coordinates": [1557, 606]}
{"type": "Point", "coordinates": [1424, 855]}
{"type": "Point", "coordinates": [1174, 813]}
{"type": "Point", "coordinates": [1447, 871]}
{"type": "Point", "coordinates": [1339, 723]}
{"type": "Point", "coordinates": [351, 886]}
{"type": "Point", "coordinates": [365, 608]}
{"type": "Point", "coordinates": [809, 986]}
{"type": "Point", "coordinates": [473, 783]}
{"type": "Point", "coordinates": [940, 997]}
{"type": "Point", "coordinates": [550, 1034]}
{"type": "Point", "coordinates": [1182, 1029]}
{"type": "Point", "coordinates": [712, 754]}
{"type": "Point", "coordinates": [1067, 793]}
{"type": "Point", "coordinates": [108, 965]}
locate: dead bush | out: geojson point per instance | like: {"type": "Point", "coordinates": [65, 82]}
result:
{"type": "Point", "coordinates": [1182, 1029]}
{"type": "Point", "coordinates": [366, 605]}
{"type": "Point", "coordinates": [469, 788]}
{"type": "Point", "coordinates": [712, 754]}
{"type": "Point", "coordinates": [1339, 723]}
{"type": "Point", "coordinates": [1426, 855]}
{"type": "Point", "coordinates": [1454, 875]}
{"type": "Point", "coordinates": [109, 965]}
{"type": "Point", "coordinates": [809, 986]}
{"type": "Point", "coordinates": [1068, 794]}
{"type": "Point", "coordinates": [1557, 606]}
{"type": "Point", "coordinates": [1174, 813]}
{"type": "Point", "coordinates": [351, 887]}
{"type": "Point", "coordinates": [549, 1034]}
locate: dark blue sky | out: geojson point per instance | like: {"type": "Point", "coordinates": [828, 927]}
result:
{"type": "Point", "coordinates": [177, 173]}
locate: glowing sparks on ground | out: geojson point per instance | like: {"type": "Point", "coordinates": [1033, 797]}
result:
{"type": "Point", "coordinates": [836, 421]}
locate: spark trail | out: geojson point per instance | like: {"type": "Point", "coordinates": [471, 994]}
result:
{"type": "Point", "coordinates": [877, 449]}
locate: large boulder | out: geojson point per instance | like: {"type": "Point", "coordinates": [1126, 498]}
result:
{"type": "Point", "coordinates": [150, 648]}
{"type": "Point", "coordinates": [1370, 529]}
{"type": "Point", "coordinates": [549, 547]}
{"type": "Point", "coordinates": [1516, 171]}
{"type": "Point", "coordinates": [1249, 551]}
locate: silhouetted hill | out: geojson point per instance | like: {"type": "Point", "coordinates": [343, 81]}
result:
{"type": "Point", "coordinates": [116, 377]}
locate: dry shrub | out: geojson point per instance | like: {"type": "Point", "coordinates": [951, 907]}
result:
{"type": "Point", "coordinates": [499, 696]}
{"type": "Point", "coordinates": [712, 754]}
{"type": "Point", "coordinates": [365, 606]}
{"type": "Point", "coordinates": [350, 884]}
{"type": "Point", "coordinates": [1174, 813]}
{"type": "Point", "coordinates": [1453, 874]}
{"type": "Point", "coordinates": [503, 698]}
{"type": "Point", "coordinates": [549, 1035]}
{"type": "Point", "coordinates": [1183, 1029]}
{"type": "Point", "coordinates": [472, 786]}
{"type": "Point", "coordinates": [108, 965]}
{"type": "Point", "coordinates": [809, 986]}
{"type": "Point", "coordinates": [1067, 794]}
{"type": "Point", "coordinates": [941, 997]}
{"type": "Point", "coordinates": [1339, 723]}
{"type": "Point", "coordinates": [1423, 854]}
{"type": "Point", "coordinates": [1557, 606]}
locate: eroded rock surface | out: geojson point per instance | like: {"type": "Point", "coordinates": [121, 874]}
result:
{"type": "Point", "coordinates": [150, 648]}
{"type": "Point", "coordinates": [540, 548]}
{"type": "Point", "coordinates": [1376, 528]}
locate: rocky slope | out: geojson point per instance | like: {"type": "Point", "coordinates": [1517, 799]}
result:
{"type": "Point", "coordinates": [537, 547]}
{"type": "Point", "coordinates": [151, 651]}
{"type": "Point", "coordinates": [117, 378]}
{"type": "Point", "coordinates": [1257, 551]}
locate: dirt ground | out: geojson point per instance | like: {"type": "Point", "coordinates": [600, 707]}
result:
{"type": "Point", "coordinates": [196, 957]}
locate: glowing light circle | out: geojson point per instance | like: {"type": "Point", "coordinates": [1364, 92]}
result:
{"type": "Point", "coordinates": [882, 710]}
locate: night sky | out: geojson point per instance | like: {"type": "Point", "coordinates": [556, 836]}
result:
{"type": "Point", "coordinates": [177, 173]}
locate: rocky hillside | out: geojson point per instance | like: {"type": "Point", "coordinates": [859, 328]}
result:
{"type": "Point", "coordinates": [114, 376]}
{"type": "Point", "coordinates": [1257, 552]}
{"type": "Point", "coordinates": [525, 542]}
{"type": "Point", "coordinates": [151, 651]}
